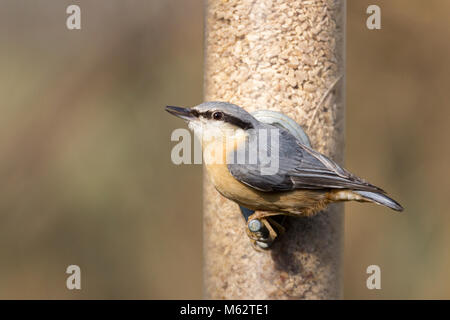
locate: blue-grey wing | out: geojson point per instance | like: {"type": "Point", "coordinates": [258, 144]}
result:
{"type": "Point", "coordinates": [284, 164]}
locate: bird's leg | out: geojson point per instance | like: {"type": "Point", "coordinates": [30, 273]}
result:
{"type": "Point", "coordinates": [279, 226]}
{"type": "Point", "coordinates": [261, 233]}
{"type": "Point", "coordinates": [260, 230]}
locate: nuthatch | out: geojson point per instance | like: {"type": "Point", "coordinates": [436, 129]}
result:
{"type": "Point", "coordinates": [304, 183]}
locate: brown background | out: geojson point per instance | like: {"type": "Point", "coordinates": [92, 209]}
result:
{"type": "Point", "coordinates": [85, 169]}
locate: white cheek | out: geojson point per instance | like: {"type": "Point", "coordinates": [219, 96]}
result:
{"type": "Point", "coordinates": [211, 132]}
{"type": "Point", "coordinates": [197, 128]}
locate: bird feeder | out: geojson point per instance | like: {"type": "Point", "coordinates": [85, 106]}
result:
{"type": "Point", "coordinates": [285, 56]}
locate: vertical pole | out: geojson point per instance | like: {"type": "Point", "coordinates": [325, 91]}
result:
{"type": "Point", "coordinates": [286, 56]}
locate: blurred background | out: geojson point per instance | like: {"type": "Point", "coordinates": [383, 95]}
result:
{"type": "Point", "coordinates": [85, 169]}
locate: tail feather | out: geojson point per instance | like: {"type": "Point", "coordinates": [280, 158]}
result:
{"type": "Point", "coordinates": [381, 199]}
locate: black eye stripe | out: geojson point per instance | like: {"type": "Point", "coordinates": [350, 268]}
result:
{"type": "Point", "coordinates": [206, 114]}
{"type": "Point", "coordinates": [237, 122]}
{"type": "Point", "coordinates": [230, 119]}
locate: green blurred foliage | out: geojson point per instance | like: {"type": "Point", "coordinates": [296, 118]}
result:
{"type": "Point", "coordinates": [85, 149]}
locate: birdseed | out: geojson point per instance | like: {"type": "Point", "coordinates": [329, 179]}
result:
{"type": "Point", "coordinates": [286, 56]}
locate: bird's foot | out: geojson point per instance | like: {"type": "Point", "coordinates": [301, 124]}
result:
{"type": "Point", "coordinates": [261, 231]}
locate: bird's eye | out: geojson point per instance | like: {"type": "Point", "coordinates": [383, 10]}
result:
{"type": "Point", "coordinates": [217, 115]}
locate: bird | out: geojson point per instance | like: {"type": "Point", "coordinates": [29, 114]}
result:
{"type": "Point", "coordinates": [303, 183]}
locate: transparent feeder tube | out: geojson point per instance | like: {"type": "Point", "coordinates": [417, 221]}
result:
{"type": "Point", "coordinates": [285, 56]}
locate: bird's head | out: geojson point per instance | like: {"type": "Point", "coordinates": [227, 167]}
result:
{"type": "Point", "coordinates": [215, 119]}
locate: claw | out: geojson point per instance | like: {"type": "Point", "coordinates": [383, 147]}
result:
{"type": "Point", "coordinates": [260, 230]}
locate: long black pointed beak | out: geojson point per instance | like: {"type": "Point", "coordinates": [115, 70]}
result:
{"type": "Point", "coordinates": [183, 113]}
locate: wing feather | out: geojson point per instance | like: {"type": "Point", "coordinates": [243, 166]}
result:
{"type": "Point", "coordinates": [299, 167]}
